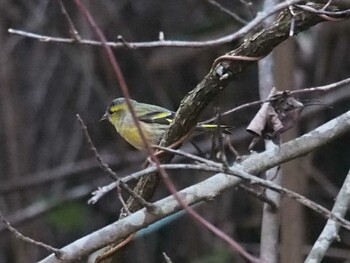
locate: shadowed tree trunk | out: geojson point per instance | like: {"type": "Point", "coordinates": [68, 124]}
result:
{"type": "Point", "coordinates": [292, 227]}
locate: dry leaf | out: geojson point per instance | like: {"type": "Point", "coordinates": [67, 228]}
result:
{"type": "Point", "coordinates": [275, 117]}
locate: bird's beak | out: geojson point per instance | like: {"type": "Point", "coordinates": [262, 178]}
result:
{"type": "Point", "coordinates": [104, 117]}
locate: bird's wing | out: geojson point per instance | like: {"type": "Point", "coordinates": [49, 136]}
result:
{"type": "Point", "coordinates": [159, 117]}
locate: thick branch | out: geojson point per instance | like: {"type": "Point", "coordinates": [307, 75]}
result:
{"type": "Point", "coordinates": [270, 223]}
{"type": "Point", "coordinates": [207, 189]}
{"type": "Point", "coordinates": [258, 45]}
{"type": "Point", "coordinates": [330, 231]}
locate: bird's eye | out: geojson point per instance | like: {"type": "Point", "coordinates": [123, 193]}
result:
{"type": "Point", "coordinates": [115, 107]}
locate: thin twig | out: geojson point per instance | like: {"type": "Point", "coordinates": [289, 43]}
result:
{"type": "Point", "coordinates": [150, 151]}
{"type": "Point", "coordinates": [327, 4]}
{"type": "Point", "coordinates": [166, 258]}
{"type": "Point", "coordinates": [213, 186]}
{"type": "Point", "coordinates": [119, 75]}
{"type": "Point", "coordinates": [153, 209]}
{"type": "Point", "coordinates": [111, 173]}
{"type": "Point", "coordinates": [330, 231]}
{"type": "Point", "coordinates": [149, 206]}
{"type": "Point", "coordinates": [261, 196]}
{"type": "Point", "coordinates": [122, 40]}
{"type": "Point", "coordinates": [231, 147]}
{"type": "Point", "coordinates": [292, 22]}
{"type": "Point", "coordinates": [251, 8]}
{"type": "Point", "coordinates": [324, 88]}
{"type": "Point", "coordinates": [124, 88]}
{"type": "Point", "coordinates": [58, 253]}
{"type": "Point", "coordinates": [324, 12]}
{"type": "Point", "coordinates": [121, 199]}
{"type": "Point", "coordinates": [114, 249]}
{"type": "Point", "coordinates": [227, 11]}
{"type": "Point", "coordinates": [236, 171]}
{"type": "Point", "coordinates": [233, 58]}
{"type": "Point", "coordinates": [166, 43]}
{"type": "Point", "coordinates": [174, 144]}
{"type": "Point", "coordinates": [219, 233]}
{"type": "Point", "coordinates": [102, 164]}
{"type": "Point", "coordinates": [72, 29]}
{"type": "Point", "coordinates": [188, 155]}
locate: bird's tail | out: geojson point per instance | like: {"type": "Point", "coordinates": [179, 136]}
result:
{"type": "Point", "coordinates": [212, 127]}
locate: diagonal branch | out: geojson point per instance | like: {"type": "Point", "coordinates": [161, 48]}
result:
{"type": "Point", "coordinates": [258, 45]}
{"type": "Point", "coordinates": [26, 239]}
{"type": "Point", "coordinates": [330, 231]}
{"type": "Point", "coordinates": [212, 187]}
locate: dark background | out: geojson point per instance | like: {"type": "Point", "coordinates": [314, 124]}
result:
{"type": "Point", "coordinates": [47, 171]}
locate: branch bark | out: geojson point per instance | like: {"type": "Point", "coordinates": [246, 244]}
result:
{"type": "Point", "coordinates": [270, 224]}
{"type": "Point", "coordinates": [213, 186]}
{"type": "Point", "coordinates": [330, 231]}
{"type": "Point", "coordinates": [258, 45]}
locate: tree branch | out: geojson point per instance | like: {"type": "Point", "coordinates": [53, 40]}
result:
{"type": "Point", "coordinates": [330, 231]}
{"type": "Point", "coordinates": [258, 45]}
{"type": "Point", "coordinates": [213, 186]}
{"type": "Point", "coordinates": [165, 43]}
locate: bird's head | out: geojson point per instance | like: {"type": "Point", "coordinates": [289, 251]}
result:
{"type": "Point", "coordinates": [116, 109]}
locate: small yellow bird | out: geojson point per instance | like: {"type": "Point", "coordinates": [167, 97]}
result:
{"type": "Point", "coordinates": [154, 121]}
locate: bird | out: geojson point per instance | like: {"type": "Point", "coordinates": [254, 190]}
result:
{"type": "Point", "coordinates": [154, 121]}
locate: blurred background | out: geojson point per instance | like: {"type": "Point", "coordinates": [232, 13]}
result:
{"type": "Point", "coordinates": [47, 170]}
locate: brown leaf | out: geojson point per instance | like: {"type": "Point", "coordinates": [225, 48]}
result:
{"type": "Point", "coordinates": [289, 111]}
{"type": "Point", "coordinates": [275, 117]}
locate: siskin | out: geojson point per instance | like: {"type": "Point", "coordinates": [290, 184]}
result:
{"type": "Point", "coordinates": [154, 121]}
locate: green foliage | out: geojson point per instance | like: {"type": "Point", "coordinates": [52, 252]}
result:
{"type": "Point", "coordinates": [69, 217]}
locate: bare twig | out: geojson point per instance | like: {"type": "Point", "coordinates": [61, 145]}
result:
{"type": "Point", "coordinates": [72, 29]}
{"type": "Point", "coordinates": [161, 171]}
{"type": "Point", "coordinates": [166, 258]}
{"type": "Point", "coordinates": [324, 88]}
{"type": "Point", "coordinates": [292, 23]}
{"type": "Point", "coordinates": [231, 147]}
{"type": "Point", "coordinates": [119, 75]}
{"type": "Point", "coordinates": [110, 252]}
{"type": "Point", "coordinates": [261, 196]}
{"type": "Point", "coordinates": [121, 199]}
{"type": "Point", "coordinates": [233, 58]}
{"type": "Point", "coordinates": [213, 186]}
{"type": "Point", "coordinates": [324, 12]}
{"type": "Point", "coordinates": [188, 155]}
{"type": "Point", "coordinates": [238, 171]}
{"type": "Point", "coordinates": [330, 231]}
{"type": "Point", "coordinates": [166, 43]}
{"type": "Point", "coordinates": [111, 173]}
{"type": "Point", "coordinates": [58, 253]}
{"type": "Point", "coordinates": [102, 164]}
{"type": "Point", "coordinates": [227, 11]}
{"type": "Point", "coordinates": [270, 220]}
{"type": "Point", "coordinates": [327, 4]}
{"type": "Point", "coordinates": [150, 207]}
{"type": "Point", "coordinates": [122, 40]}
{"type": "Point", "coordinates": [219, 233]}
